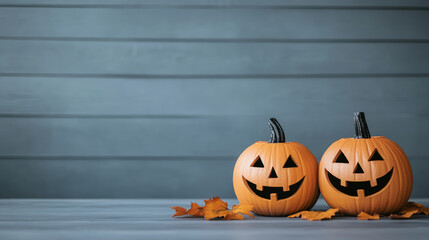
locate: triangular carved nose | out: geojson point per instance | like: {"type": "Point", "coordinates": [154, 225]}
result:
{"type": "Point", "coordinates": [272, 174]}
{"type": "Point", "coordinates": [358, 169]}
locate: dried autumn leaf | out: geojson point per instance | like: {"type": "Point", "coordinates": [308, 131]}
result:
{"type": "Point", "coordinates": [234, 216]}
{"type": "Point", "coordinates": [195, 210]}
{"type": "Point", "coordinates": [405, 215]}
{"type": "Point", "coordinates": [367, 216]}
{"type": "Point", "coordinates": [315, 215]}
{"type": "Point", "coordinates": [410, 206]}
{"type": "Point", "coordinates": [216, 208]}
{"type": "Point", "coordinates": [243, 208]}
{"type": "Point", "coordinates": [179, 211]}
{"type": "Point", "coordinates": [409, 210]}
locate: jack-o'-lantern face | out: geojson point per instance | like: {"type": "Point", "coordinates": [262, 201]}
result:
{"type": "Point", "coordinates": [365, 174]}
{"type": "Point", "coordinates": [362, 182]}
{"type": "Point", "coordinates": [277, 186]}
{"type": "Point", "coordinates": [277, 178]}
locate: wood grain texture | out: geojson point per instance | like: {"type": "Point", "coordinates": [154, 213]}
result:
{"type": "Point", "coordinates": [96, 90]}
{"type": "Point", "coordinates": [20, 56]}
{"type": "Point", "coordinates": [145, 97]}
{"type": "Point", "coordinates": [194, 24]}
{"type": "Point", "coordinates": [217, 136]}
{"type": "Point", "coordinates": [128, 177]}
{"type": "Point", "coordinates": [151, 219]}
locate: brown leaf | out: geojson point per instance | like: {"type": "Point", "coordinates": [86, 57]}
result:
{"type": "Point", "coordinates": [195, 210]}
{"type": "Point", "coordinates": [410, 206]}
{"type": "Point", "coordinates": [315, 215]}
{"type": "Point", "coordinates": [179, 211]}
{"type": "Point", "coordinates": [366, 216]}
{"type": "Point", "coordinates": [409, 210]}
{"type": "Point", "coordinates": [405, 215]}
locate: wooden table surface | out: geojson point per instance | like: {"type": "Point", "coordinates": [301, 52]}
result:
{"type": "Point", "coordinates": [151, 219]}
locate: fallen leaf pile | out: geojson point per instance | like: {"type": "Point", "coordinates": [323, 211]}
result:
{"type": "Point", "coordinates": [410, 209]}
{"type": "Point", "coordinates": [215, 208]}
{"type": "Point", "coordinates": [367, 216]}
{"type": "Point", "coordinates": [315, 215]}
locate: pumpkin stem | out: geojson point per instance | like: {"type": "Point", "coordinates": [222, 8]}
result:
{"type": "Point", "coordinates": [361, 128]}
{"type": "Point", "coordinates": [277, 133]}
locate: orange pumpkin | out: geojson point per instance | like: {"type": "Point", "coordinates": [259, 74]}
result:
{"type": "Point", "coordinates": [365, 174]}
{"type": "Point", "coordinates": [277, 177]}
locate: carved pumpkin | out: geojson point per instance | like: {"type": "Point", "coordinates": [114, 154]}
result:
{"type": "Point", "coordinates": [365, 174]}
{"type": "Point", "coordinates": [277, 177]}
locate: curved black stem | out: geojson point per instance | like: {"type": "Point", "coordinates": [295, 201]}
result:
{"type": "Point", "coordinates": [277, 133]}
{"type": "Point", "coordinates": [361, 128]}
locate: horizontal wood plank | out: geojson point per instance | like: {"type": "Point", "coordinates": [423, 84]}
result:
{"type": "Point", "coordinates": [211, 58]}
{"type": "Point", "coordinates": [115, 178]}
{"type": "Point", "coordinates": [143, 24]}
{"type": "Point", "coordinates": [212, 137]}
{"type": "Point", "coordinates": [188, 98]}
{"type": "Point", "coordinates": [119, 178]}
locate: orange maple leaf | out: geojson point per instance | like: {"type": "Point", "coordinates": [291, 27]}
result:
{"type": "Point", "coordinates": [215, 208]}
{"type": "Point", "coordinates": [315, 215]}
{"type": "Point", "coordinates": [410, 209]}
{"type": "Point", "coordinates": [195, 211]}
{"type": "Point", "coordinates": [367, 216]}
{"type": "Point", "coordinates": [243, 208]}
{"type": "Point", "coordinates": [405, 215]}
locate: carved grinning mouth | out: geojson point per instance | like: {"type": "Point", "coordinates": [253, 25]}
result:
{"type": "Point", "coordinates": [268, 191]}
{"type": "Point", "coordinates": [352, 187]}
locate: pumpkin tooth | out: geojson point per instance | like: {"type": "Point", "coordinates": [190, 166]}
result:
{"type": "Point", "coordinates": [361, 193]}
{"type": "Point", "coordinates": [273, 196]}
{"type": "Point", "coordinates": [343, 183]}
{"type": "Point", "coordinates": [286, 188]}
{"type": "Point", "coordinates": [259, 187]}
{"type": "Point", "coordinates": [373, 182]}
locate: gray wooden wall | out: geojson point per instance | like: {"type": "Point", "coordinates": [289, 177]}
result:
{"type": "Point", "coordinates": [127, 98]}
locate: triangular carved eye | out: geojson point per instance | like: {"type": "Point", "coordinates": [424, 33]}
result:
{"type": "Point", "coordinates": [258, 163]}
{"type": "Point", "coordinates": [290, 163]}
{"type": "Point", "coordinates": [376, 156]}
{"type": "Point", "coordinates": [341, 158]}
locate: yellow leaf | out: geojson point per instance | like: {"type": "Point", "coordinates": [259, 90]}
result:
{"type": "Point", "coordinates": [366, 216]}
{"type": "Point", "coordinates": [315, 215]}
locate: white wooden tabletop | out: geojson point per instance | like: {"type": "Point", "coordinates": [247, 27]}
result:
{"type": "Point", "coordinates": [151, 219]}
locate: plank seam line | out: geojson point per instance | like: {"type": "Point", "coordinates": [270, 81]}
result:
{"type": "Point", "coordinates": [213, 40]}
{"type": "Point", "coordinates": [111, 157]}
{"type": "Point", "coordinates": [223, 6]}
{"type": "Point", "coordinates": [102, 116]}
{"type": "Point", "coordinates": [214, 76]}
